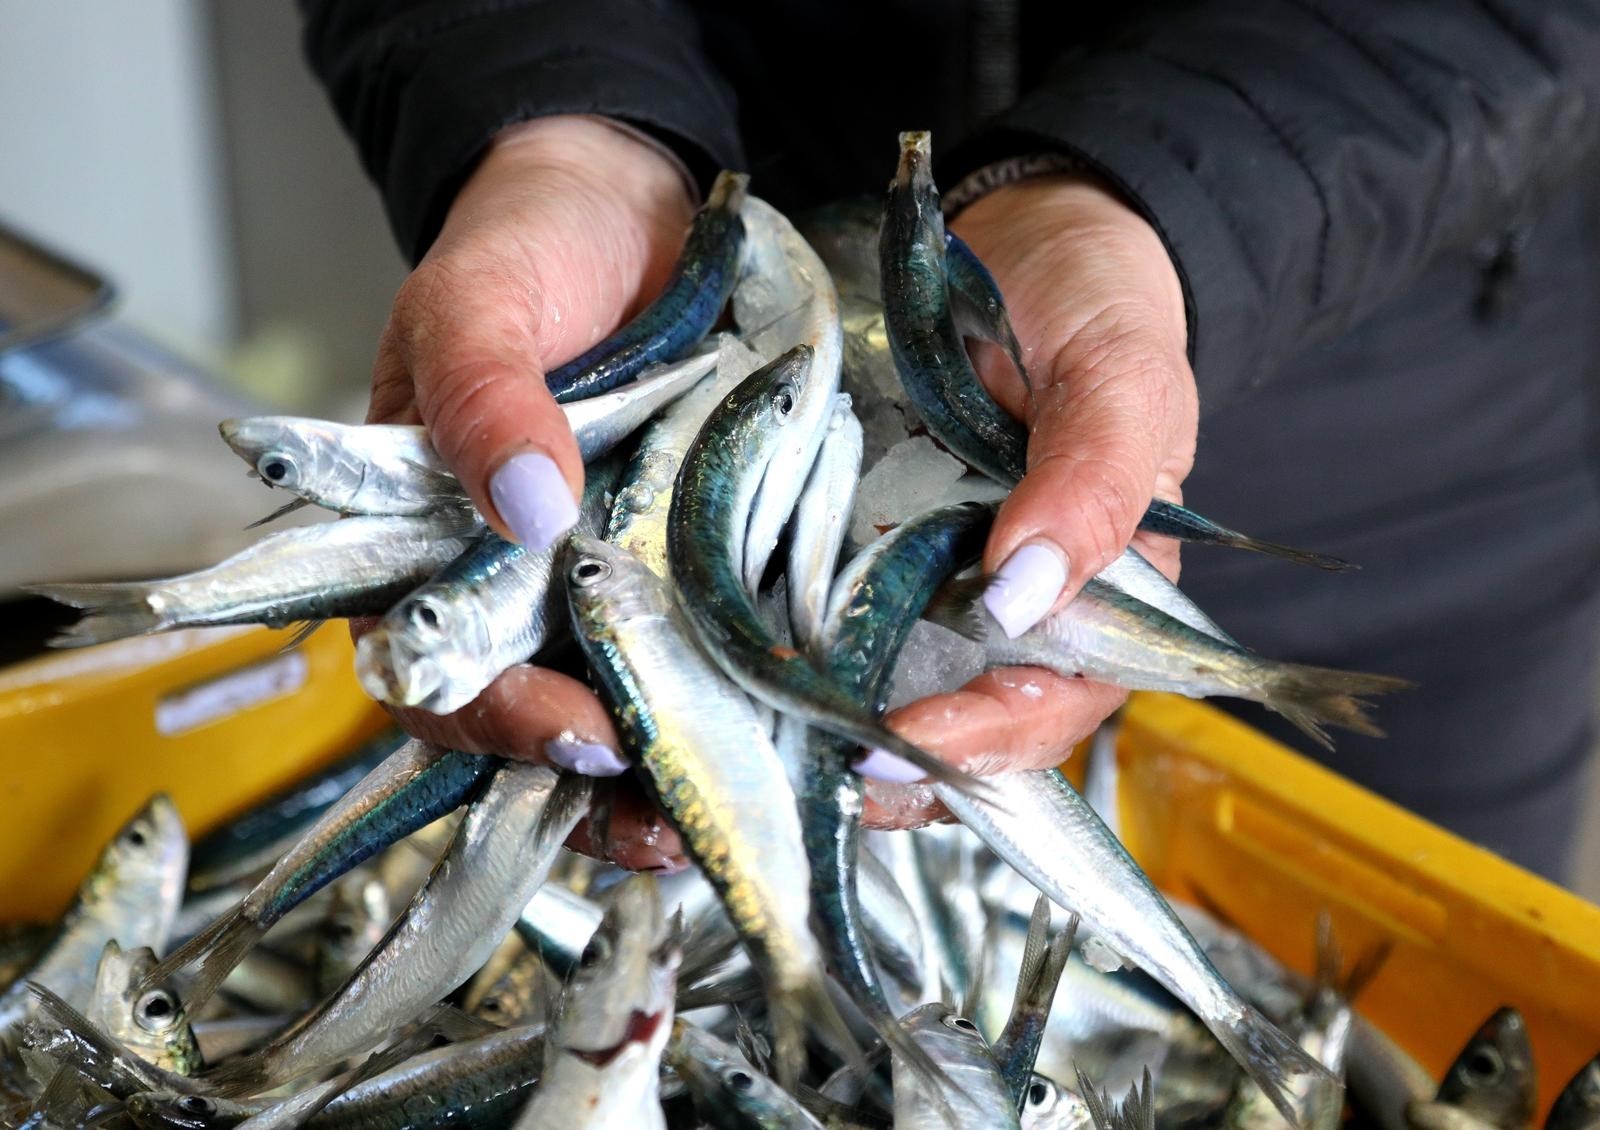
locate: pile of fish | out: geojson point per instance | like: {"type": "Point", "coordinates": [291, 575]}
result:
{"type": "Point", "coordinates": [817, 968]}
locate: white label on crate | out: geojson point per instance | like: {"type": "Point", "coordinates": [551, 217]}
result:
{"type": "Point", "coordinates": [223, 697]}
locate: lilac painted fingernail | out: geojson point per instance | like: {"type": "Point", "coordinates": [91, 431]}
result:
{"type": "Point", "coordinates": [881, 765]}
{"type": "Point", "coordinates": [1026, 586]}
{"type": "Point", "coordinates": [589, 758]}
{"type": "Point", "coordinates": [533, 497]}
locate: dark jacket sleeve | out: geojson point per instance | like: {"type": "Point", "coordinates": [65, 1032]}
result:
{"type": "Point", "coordinates": [422, 85]}
{"type": "Point", "coordinates": [1305, 160]}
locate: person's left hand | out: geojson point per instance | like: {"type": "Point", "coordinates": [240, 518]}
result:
{"type": "Point", "coordinates": [1113, 413]}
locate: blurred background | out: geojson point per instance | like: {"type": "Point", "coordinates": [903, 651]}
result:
{"type": "Point", "coordinates": [183, 150]}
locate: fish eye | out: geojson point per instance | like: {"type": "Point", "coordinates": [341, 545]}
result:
{"type": "Point", "coordinates": [739, 1080]}
{"type": "Point", "coordinates": [278, 468]}
{"type": "Point", "coordinates": [596, 952]}
{"type": "Point", "coordinates": [136, 836]}
{"type": "Point", "coordinates": [783, 399]}
{"type": "Point", "coordinates": [424, 617]}
{"type": "Point", "coordinates": [197, 1104]}
{"type": "Point", "coordinates": [960, 1024]}
{"type": "Point", "coordinates": [156, 1010]}
{"type": "Point", "coordinates": [1037, 1094]}
{"type": "Point", "coordinates": [1483, 1066]}
{"type": "Point", "coordinates": [590, 571]}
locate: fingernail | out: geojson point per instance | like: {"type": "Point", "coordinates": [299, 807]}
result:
{"type": "Point", "coordinates": [533, 497]}
{"type": "Point", "coordinates": [881, 765]}
{"type": "Point", "coordinates": [589, 758]}
{"type": "Point", "coordinates": [1026, 586]}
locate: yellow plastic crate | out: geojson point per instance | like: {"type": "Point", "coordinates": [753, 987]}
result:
{"type": "Point", "coordinates": [215, 717]}
{"type": "Point", "coordinates": [1223, 816]}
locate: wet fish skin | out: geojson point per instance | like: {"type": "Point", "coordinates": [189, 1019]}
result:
{"type": "Point", "coordinates": [1038, 824]}
{"type": "Point", "coordinates": [711, 765]}
{"type": "Point", "coordinates": [638, 521]}
{"type": "Point", "coordinates": [1106, 635]}
{"type": "Point", "coordinates": [694, 295]}
{"type": "Point", "coordinates": [1494, 1077]}
{"type": "Point", "coordinates": [1578, 1105]}
{"type": "Point", "coordinates": [412, 787]}
{"type": "Point", "coordinates": [786, 297]}
{"type": "Point", "coordinates": [978, 308]}
{"type": "Point", "coordinates": [1047, 1105]}
{"type": "Point", "coordinates": [493, 607]}
{"type": "Point", "coordinates": [498, 857]}
{"type": "Point", "coordinates": [821, 517]}
{"type": "Point", "coordinates": [132, 893]}
{"type": "Point", "coordinates": [355, 567]}
{"type": "Point", "coordinates": [172, 1110]}
{"type": "Point", "coordinates": [730, 1093]}
{"type": "Point", "coordinates": [150, 1021]}
{"type": "Point", "coordinates": [973, 1095]}
{"type": "Point", "coordinates": [713, 493]}
{"type": "Point", "coordinates": [603, 1057]}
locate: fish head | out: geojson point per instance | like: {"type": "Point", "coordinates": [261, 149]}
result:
{"type": "Point", "coordinates": [1047, 1105]}
{"type": "Point", "coordinates": [1578, 1105]}
{"type": "Point", "coordinates": [170, 1109]}
{"type": "Point", "coordinates": [425, 653]}
{"type": "Point", "coordinates": [608, 586]}
{"type": "Point", "coordinates": [766, 402]}
{"type": "Point", "coordinates": [913, 201]}
{"type": "Point", "coordinates": [1493, 1078]}
{"type": "Point", "coordinates": [148, 1020]}
{"type": "Point", "coordinates": [719, 1074]}
{"type": "Point", "coordinates": [940, 1025]}
{"type": "Point", "coordinates": [620, 994]}
{"type": "Point", "coordinates": [149, 853]}
{"type": "Point", "coordinates": [285, 451]}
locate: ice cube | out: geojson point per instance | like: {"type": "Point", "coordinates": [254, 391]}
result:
{"type": "Point", "coordinates": [912, 478]}
{"type": "Point", "coordinates": [933, 661]}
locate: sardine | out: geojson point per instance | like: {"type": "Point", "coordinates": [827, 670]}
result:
{"type": "Point", "coordinates": [729, 1092]}
{"type": "Point", "coordinates": [414, 786]}
{"type": "Point", "coordinates": [491, 608]}
{"type": "Point", "coordinates": [786, 297]}
{"type": "Point", "coordinates": [393, 469]}
{"type": "Point", "coordinates": [1038, 824]}
{"type": "Point", "coordinates": [132, 894]}
{"type": "Point", "coordinates": [498, 857]}
{"type": "Point", "coordinates": [355, 567]}
{"type": "Point", "coordinates": [1494, 1078]}
{"type": "Point", "coordinates": [603, 1057]}
{"type": "Point", "coordinates": [711, 765]}
{"type": "Point", "coordinates": [968, 1091]}
{"type": "Point", "coordinates": [687, 308]}
{"type": "Point", "coordinates": [148, 1020]}
{"type": "Point", "coordinates": [1043, 959]}
{"type": "Point", "coordinates": [66, 1036]}
{"type": "Point", "coordinates": [1106, 635]}
{"type": "Point", "coordinates": [715, 487]}
{"type": "Point", "coordinates": [976, 304]}
{"type": "Point", "coordinates": [821, 517]}
{"type": "Point", "coordinates": [1047, 1105]}
{"type": "Point", "coordinates": [638, 521]}
{"type": "Point", "coordinates": [1578, 1105]}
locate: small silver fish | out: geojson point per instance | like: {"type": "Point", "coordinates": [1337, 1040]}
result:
{"type": "Point", "coordinates": [149, 1020]}
{"type": "Point", "coordinates": [821, 517]}
{"type": "Point", "coordinates": [969, 1095]}
{"type": "Point", "coordinates": [1494, 1079]}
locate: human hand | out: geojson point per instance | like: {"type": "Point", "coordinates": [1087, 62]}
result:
{"type": "Point", "coordinates": [567, 227]}
{"type": "Point", "coordinates": [1113, 413]}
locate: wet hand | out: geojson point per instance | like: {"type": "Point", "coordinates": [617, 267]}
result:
{"type": "Point", "coordinates": [566, 228]}
{"type": "Point", "coordinates": [1112, 414]}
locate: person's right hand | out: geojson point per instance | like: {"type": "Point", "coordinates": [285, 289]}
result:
{"type": "Point", "coordinates": [566, 228]}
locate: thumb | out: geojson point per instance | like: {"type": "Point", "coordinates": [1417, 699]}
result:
{"type": "Point", "coordinates": [562, 231]}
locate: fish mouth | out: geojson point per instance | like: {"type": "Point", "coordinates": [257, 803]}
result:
{"type": "Point", "coordinates": [641, 1027]}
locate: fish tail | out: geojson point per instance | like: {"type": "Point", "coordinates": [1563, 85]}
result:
{"type": "Point", "coordinates": [216, 950]}
{"type": "Point", "coordinates": [111, 611]}
{"type": "Point", "coordinates": [1271, 1058]}
{"type": "Point", "coordinates": [1315, 697]}
{"type": "Point", "coordinates": [1168, 519]}
{"type": "Point", "coordinates": [956, 606]}
{"type": "Point", "coordinates": [243, 1075]}
{"type": "Point", "coordinates": [793, 1012]}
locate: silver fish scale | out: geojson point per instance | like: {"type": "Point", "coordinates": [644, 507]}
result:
{"type": "Point", "coordinates": [973, 1095]}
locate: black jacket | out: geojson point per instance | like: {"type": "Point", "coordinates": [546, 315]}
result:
{"type": "Point", "coordinates": [1383, 216]}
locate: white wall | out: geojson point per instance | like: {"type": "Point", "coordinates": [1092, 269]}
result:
{"type": "Point", "coordinates": [109, 151]}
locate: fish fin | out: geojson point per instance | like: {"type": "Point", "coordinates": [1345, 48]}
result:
{"type": "Point", "coordinates": [791, 1013]}
{"type": "Point", "coordinates": [1368, 963]}
{"type": "Point", "coordinates": [753, 1047]}
{"type": "Point", "coordinates": [217, 949]}
{"type": "Point", "coordinates": [735, 990]}
{"type": "Point", "coordinates": [1097, 1102]}
{"type": "Point", "coordinates": [1035, 949]}
{"type": "Point", "coordinates": [958, 606]}
{"type": "Point", "coordinates": [285, 509]}
{"type": "Point", "coordinates": [1314, 697]}
{"type": "Point", "coordinates": [1332, 975]}
{"type": "Point", "coordinates": [1324, 561]}
{"type": "Point", "coordinates": [88, 1044]}
{"type": "Point", "coordinates": [442, 485]}
{"type": "Point", "coordinates": [1139, 1108]}
{"type": "Point", "coordinates": [241, 1076]}
{"type": "Point", "coordinates": [1170, 520]}
{"type": "Point", "coordinates": [1270, 1058]}
{"type": "Point", "coordinates": [113, 610]}
{"type": "Point", "coordinates": [301, 634]}
{"type": "Point", "coordinates": [1329, 961]}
